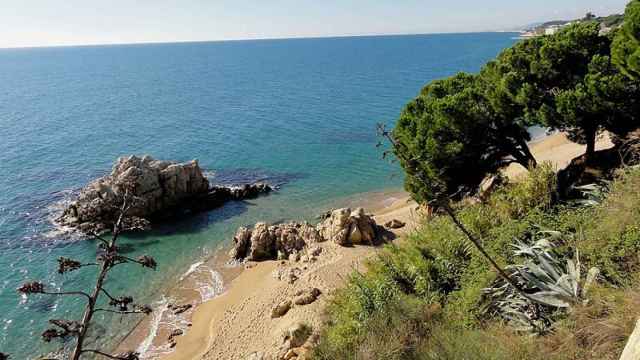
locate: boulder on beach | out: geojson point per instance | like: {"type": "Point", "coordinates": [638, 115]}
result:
{"type": "Point", "coordinates": [159, 187]}
{"type": "Point", "coordinates": [346, 227]}
{"type": "Point", "coordinates": [285, 241]}
{"type": "Point", "coordinates": [295, 336]}
{"type": "Point", "coordinates": [281, 309]}
{"type": "Point", "coordinates": [394, 224]}
{"type": "Point", "coordinates": [265, 242]}
{"type": "Point", "coordinates": [306, 296]}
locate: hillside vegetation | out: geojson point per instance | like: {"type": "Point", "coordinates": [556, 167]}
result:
{"type": "Point", "coordinates": [542, 268]}
{"type": "Point", "coordinates": [425, 298]}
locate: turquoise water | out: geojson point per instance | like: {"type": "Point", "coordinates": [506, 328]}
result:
{"type": "Point", "coordinates": [300, 113]}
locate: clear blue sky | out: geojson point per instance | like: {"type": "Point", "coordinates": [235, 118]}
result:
{"type": "Point", "coordinates": [72, 22]}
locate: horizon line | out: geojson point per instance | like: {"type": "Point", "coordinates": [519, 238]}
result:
{"type": "Point", "coordinates": [163, 42]}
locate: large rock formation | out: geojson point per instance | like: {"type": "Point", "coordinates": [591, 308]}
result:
{"type": "Point", "coordinates": [346, 227]}
{"type": "Point", "coordinates": [265, 242]}
{"type": "Point", "coordinates": [159, 188]}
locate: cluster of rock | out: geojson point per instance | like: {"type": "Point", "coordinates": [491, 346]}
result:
{"type": "Point", "coordinates": [158, 187]}
{"type": "Point", "coordinates": [264, 242]}
{"type": "Point", "coordinates": [298, 342]}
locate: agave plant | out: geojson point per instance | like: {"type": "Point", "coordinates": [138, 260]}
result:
{"type": "Point", "coordinates": [590, 194]}
{"type": "Point", "coordinates": [550, 284]}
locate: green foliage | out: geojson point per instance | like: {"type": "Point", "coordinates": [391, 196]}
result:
{"type": "Point", "coordinates": [626, 46]}
{"type": "Point", "coordinates": [536, 191]}
{"type": "Point", "coordinates": [444, 141]}
{"type": "Point", "coordinates": [460, 129]}
{"type": "Point", "coordinates": [448, 341]}
{"type": "Point", "coordinates": [611, 20]}
{"type": "Point", "coordinates": [550, 284]}
{"type": "Point", "coordinates": [392, 331]}
{"type": "Point", "coordinates": [528, 74]}
{"type": "Point", "coordinates": [555, 81]}
{"type": "Point", "coordinates": [612, 243]}
{"type": "Point", "coordinates": [388, 312]}
{"type": "Point", "coordinates": [590, 194]}
{"type": "Point", "coordinates": [605, 99]}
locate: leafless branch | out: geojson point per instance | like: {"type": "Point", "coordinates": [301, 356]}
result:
{"type": "Point", "coordinates": [108, 257]}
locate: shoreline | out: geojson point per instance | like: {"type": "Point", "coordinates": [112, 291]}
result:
{"type": "Point", "coordinates": [235, 323]}
{"type": "Point", "coordinates": [150, 334]}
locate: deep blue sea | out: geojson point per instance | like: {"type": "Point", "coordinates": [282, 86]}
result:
{"type": "Point", "coordinates": [300, 113]}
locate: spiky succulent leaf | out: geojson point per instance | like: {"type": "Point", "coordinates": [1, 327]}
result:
{"type": "Point", "coordinates": [551, 283]}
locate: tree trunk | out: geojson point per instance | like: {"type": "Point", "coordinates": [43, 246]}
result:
{"type": "Point", "coordinates": [531, 160]}
{"type": "Point", "coordinates": [519, 149]}
{"type": "Point", "coordinates": [89, 311]}
{"type": "Point", "coordinates": [478, 245]}
{"type": "Point", "coordinates": [590, 135]}
{"type": "Point", "coordinates": [533, 163]}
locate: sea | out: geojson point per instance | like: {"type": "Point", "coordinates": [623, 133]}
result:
{"type": "Point", "coordinates": [300, 114]}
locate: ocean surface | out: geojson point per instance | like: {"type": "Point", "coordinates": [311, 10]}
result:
{"type": "Point", "coordinates": [296, 113]}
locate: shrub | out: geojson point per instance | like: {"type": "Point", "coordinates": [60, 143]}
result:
{"type": "Point", "coordinates": [394, 331]}
{"type": "Point", "coordinates": [535, 191]}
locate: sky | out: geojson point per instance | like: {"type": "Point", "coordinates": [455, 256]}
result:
{"type": "Point", "coordinates": [25, 23]}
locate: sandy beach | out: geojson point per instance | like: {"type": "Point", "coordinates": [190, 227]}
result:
{"type": "Point", "coordinates": [238, 322]}
{"type": "Point", "coordinates": [557, 150]}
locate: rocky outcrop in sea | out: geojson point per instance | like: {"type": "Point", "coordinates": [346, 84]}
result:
{"type": "Point", "coordinates": [161, 188]}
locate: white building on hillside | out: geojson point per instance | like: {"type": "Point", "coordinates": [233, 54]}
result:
{"type": "Point", "coordinates": [552, 29]}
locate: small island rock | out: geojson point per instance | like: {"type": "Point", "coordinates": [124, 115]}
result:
{"type": "Point", "coordinates": [159, 187]}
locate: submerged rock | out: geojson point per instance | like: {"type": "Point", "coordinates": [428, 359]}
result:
{"type": "Point", "coordinates": [159, 187]}
{"type": "Point", "coordinates": [179, 309]}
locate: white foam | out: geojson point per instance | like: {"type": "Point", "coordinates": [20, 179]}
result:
{"type": "Point", "coordinates": [53, 212]}
{"type": "Point", "coordinates": [146, 348]}
{"type": "Point", "coordinates": [191, 270]}
{"type": "Point", "coordinates": [210, 287]}
{"type": "Point", "coordinates": [208, 283]}
{"type": "Point", "coordinates": [163, 318]}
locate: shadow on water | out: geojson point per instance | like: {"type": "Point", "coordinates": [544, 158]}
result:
{"type": "Point", "coordinates": [186, 223]}
{"type": "Point", "coordinates": [241, 176]}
